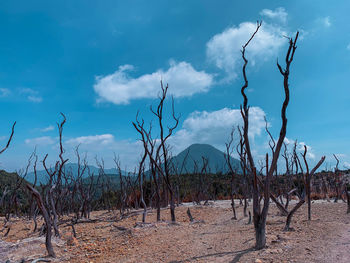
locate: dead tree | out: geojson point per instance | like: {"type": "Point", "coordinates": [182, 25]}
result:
{"type": "Point", "coordinates": [106, 182]}
{"type": "Point", "coordinates": [229, 150]}
{"type": "Point", "coordinates": [347, 198]}
{"type": "Point", "coordinates": [47, 219]}
{"type": "Point", "coordinates": [155, 174]}
{"type": "Point", "coordinates": [307, 179]}
{"type": "Point", "coordinates": [291, 213]}
{"type": "Point", "coordinates": [121, 186]}
{"type": "Point", "coordinates": [164, 148]}
{"type": "Point", "coordinates": [6, 190]}
{"type": "Point", "coordinates": [337, 180]}
{"type": "Point", "coordinates": [260, 215]}
{"type": "Point", "coordinates": [49, 195]}
{"type": "Point", "coordinates": [246, 176]}
{"type": "Point", "coordinates": [161, 158]}
{"type": "Point", "coordinates": [302, 199]}
{"type": "Point", "coordinates": [141, 169]}
{"type": "Point", "coordinates": [52, 194]}
{"type": "Point", "coordinates": [10, 139]}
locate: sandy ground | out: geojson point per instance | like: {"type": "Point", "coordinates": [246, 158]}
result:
{"type": "Point", "coordinates": [214, 237]}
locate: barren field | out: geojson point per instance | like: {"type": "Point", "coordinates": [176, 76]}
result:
{"type": "Point", "coordinates": [213, 237]}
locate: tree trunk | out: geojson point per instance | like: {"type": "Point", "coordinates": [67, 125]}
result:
{"type": "Point", "coordinates": [47, 219]}
{"type": "Point", "coordinates": [245, 207]}
{"type": "Point", "coordinates": [260, 232]}
{"type": "Point", "coordinates": [233, 208]}
{"type": "Point", "coordinates": [158, 206]}
{"type": "Point", "coordinates": [189, 214]}
{"type": "Point", "coordinates": [144, 214]}
{"type": "Point", "coordinates": [55, 217]}
{"type": "Point", "coordinates": [308, 193]}
{"type": "Point", "coordinates": [172, 208]}
{"type": "Point", "coordinates": [291, 213]}
{"type": "Point", "coordinates": [348, 199]}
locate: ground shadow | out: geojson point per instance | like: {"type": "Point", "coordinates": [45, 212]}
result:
{"type": "Point", "coordinates": [238, 254]}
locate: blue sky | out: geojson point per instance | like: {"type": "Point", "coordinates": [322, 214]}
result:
{"type": "Point", "coordinates": [101, 61]}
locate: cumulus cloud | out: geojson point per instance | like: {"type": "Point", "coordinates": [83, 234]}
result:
{"type": "Point", "coordinates": [103, 139]}
{"type": "Point", "coordinates": [48, 128]}
{"type": "Point", "coordinates": [300, 147]}
{"type": "Point", "coordinates": [279, 14]}
{"type": "Point", "coordinates": [214, 127]}
{"type": "Point", "coordinates": [224, 49]}
{"type": "Point", "coordinates": [121, 88]}
{"type": "Point", "coordinates": [44, 140]}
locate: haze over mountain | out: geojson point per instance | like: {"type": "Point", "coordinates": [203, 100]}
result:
{"type": "Point", "coordinates": [73, 168]}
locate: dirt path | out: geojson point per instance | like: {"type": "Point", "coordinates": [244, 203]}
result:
{"type": "Point", "coordinates": [339, 249]}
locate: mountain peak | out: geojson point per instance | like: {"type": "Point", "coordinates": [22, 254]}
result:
{"type": "Point", "coordinates": [190, 160]}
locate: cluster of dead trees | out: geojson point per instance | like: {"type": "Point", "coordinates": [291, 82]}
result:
{"type": "Point", "coordinates": [296, 165]}
{"type": "Point", "coordinates": [69, 196]}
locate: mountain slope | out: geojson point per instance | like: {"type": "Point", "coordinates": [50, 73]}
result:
{"type": "Point", "coordinates": [191, 160]}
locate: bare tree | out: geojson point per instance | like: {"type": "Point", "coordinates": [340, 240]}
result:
{"type": "Point", "coordinates": [233, 171]}
{"type": "Point", "coordinates": [337, 180]}
{"type": "Point", "coordinates": [307, 179]}
{"type": "Point", "coordinates": [161, 158]}
{"type": "Point", "coordinates": [260, 215]}
{"type": "Point", "coordinates": [10, 139]}
{"type": "Point", "coordinates": [140, 175]}
{"type": "Point", "coordinates": [123, 194]}
{"type": "Point", "coordinates": [49, 206]}
{"type": "Point", "coordinates": [47, 219]}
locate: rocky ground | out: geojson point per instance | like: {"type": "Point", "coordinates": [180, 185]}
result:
{"type": "Point", "coordinates": [213, 237]}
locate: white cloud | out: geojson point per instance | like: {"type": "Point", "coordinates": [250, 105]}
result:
{"type": "Point", "coordinates": [277, 14]}
{"type": "Point", "coordinates": [103, 146]}
{"type": "Point", "coordinates": [27, 91]}
{"type": "Point", "coordinates": [48, 128]}
{"type": "Point", "coordinates": [44, 140]}
{"type": "Point", "coordinates": [35, 99]}
{"type": "Point", "coordinates": [300, 148]}
{"type": "Point", "coordinates": [288, 141]}
{"type": "Point", "coordinates": [103, 139]}
{"type": "Point", "coordinates": [214, 127]}
{"type": "Point", "coordinates": [346, 165]}
{"type": "Point", "coordinates": [121, 88]}
{"type": "Point", "coordinates": [31, 95]}
{"type": "Point", "coordinates": [327, 21]}
{"type": "Point", "coordinates": [224, 49]}
{"type": "Point", "coordinates": [309, 153]}
{"type": "Point", "coordinates": [4, 92]}
{"type": "Point", "coordinates": [324, 21]}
